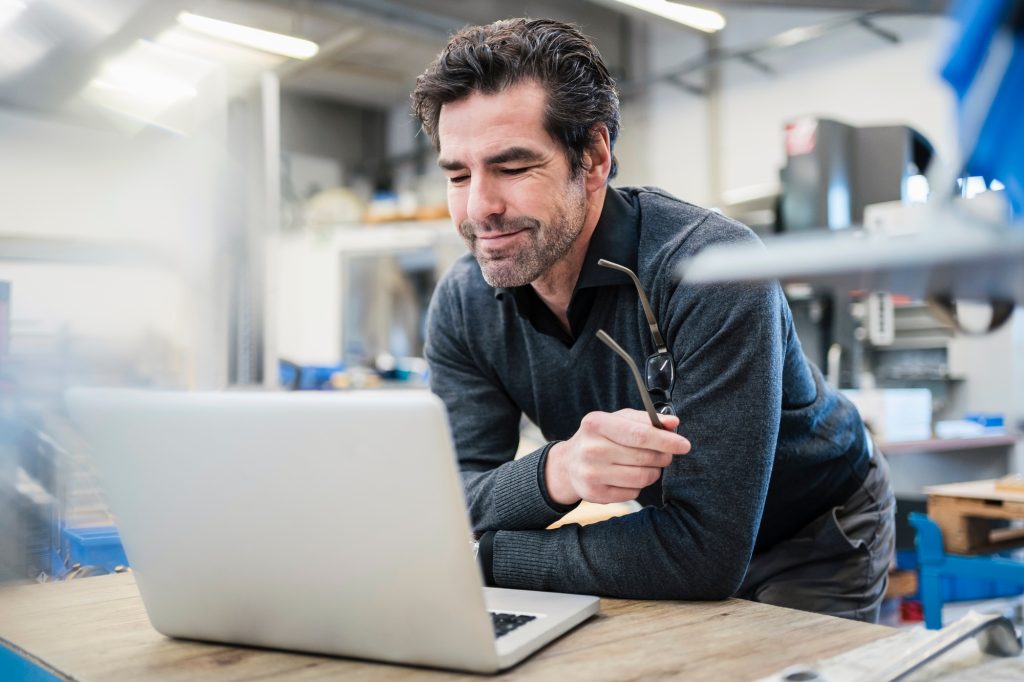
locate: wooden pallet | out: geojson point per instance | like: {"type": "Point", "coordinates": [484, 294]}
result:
{"type": "Point", "coordinates": [967, 512]}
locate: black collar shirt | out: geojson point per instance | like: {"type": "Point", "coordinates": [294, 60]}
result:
{"type": "Point", "coordinates": [615, 238]}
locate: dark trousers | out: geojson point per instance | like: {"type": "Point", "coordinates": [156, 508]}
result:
{"type": "Point", "coordinates": [839, 563]}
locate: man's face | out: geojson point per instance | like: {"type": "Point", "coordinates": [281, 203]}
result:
{"type": "Point", "coordinates": [510, 192]}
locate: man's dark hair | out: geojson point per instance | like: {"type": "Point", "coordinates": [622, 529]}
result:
{"type": "Point", "coordinates": [489, 59]}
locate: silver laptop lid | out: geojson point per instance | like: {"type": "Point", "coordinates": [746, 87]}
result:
{"type": "Point", "coordinates": [328, 523]}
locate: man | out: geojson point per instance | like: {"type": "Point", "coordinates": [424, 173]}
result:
{"type": "Point", "coordinates": [773, 494]}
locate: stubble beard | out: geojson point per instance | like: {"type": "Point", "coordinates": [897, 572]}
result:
{"type": "Point", "coordinates": [548, 242]}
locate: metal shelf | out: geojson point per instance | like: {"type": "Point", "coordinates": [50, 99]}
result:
{"type": "Point", "coordinates": [948, 444]}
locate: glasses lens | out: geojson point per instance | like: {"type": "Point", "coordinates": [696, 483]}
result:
{"type": "Point", "coordinates": [661, 372]}
{"type": "Point", "coordinates": [662, 402]}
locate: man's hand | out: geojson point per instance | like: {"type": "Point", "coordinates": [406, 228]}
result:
{"type": "Point", "coordinates": [612, 457]}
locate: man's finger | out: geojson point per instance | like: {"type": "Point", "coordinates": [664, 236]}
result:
{"type": "Point", "coordinates": [642, 436]}
{"type": "Point", "coordinates": [632, 477]}
{"type": "Point", "coordinates": [634, 415]}
{"type": "Point", "coordinates": [670, 422]}
{"type": "Point", "coordinates": [645, 458]}
{"type": "Point", "coordinates": [611, 493]}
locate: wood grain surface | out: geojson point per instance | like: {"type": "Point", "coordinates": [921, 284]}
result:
{"type": "Point", "coordinates": [97, 629]}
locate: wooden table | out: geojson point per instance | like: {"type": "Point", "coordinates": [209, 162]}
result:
{"type": "Point", "coordinates": [96, 629]}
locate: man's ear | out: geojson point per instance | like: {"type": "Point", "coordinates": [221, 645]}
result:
{"type": "Point", "coordinates": [597, 158]}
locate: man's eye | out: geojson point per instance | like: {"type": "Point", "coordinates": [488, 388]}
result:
{"type": "Point", "coordinates": [513, 171]}
{"type": "Point", "coordinates": [458, 179]}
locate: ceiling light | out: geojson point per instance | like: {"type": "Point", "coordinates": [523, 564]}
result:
{"type": "Point", "coordinates": [150, 84]}
{"type": "Point", "coordinates": [296, 48]}
{"type": "Point", "coordinates": [142, 82]}
{"type": "Point", "coordinates": [694, 17]}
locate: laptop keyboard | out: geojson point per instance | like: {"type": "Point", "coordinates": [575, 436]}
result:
{"type": "Point", "coordinates": [505, 623]}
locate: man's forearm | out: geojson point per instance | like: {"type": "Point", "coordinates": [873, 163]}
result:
{"type": "Point", "coordinates": [510, 496]}
{"type": "Point", "coordinates": [645, 555]}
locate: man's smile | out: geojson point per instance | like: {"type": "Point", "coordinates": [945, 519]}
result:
{"type": "Point", "coordinates": [497, 240]}
{"type": "Point", "coordinates": [499, 235]}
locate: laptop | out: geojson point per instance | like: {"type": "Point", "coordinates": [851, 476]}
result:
{"type": "Point", "coordinates": [323, 523]}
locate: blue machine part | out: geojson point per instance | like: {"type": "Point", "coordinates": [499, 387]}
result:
{"type": "Point", "coordinates": [977, 577]}
{"type": "Point", "coordinates": [985, 67]}
{"type": "Point", "coordinates": [958, 588]}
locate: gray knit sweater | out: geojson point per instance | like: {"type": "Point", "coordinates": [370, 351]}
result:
{"type": "Point", "coordinates": [773, 445]}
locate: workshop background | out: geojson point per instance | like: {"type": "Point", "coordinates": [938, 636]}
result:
{"type": "Point", "coordinates": [191, 205]}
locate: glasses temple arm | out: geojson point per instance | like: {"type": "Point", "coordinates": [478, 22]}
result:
{"type": "Point", "coordinates": [648, 405]}
{"type": "Point", "coordinates": [651, 322]}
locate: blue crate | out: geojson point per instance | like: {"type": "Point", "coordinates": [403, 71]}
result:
{"type": "Point", "coordinates": [990, 420]}
{"type": "Point", "coordinates": [306, 377]}
{"type": "Point", "coordinates": [93, 546]}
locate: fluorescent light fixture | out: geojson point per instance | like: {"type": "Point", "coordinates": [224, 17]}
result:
{"type": "Point", "coordinates": [149, 84]}
{"type": "Point", "coordinates": [795, 36]}
{"type": "Point", "coordinates": [694, 17]}
{"type": "Point", "coordinates": [144, 82]}
{"type": "Point", "coordinates": [277, 43]}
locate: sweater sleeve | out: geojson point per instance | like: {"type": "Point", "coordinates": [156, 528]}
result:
{"type": "Point", "coordinates": [728, 348]}
{"type": "Point", "coordinates": [501, 492]}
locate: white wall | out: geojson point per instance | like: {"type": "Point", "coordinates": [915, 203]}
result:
{"type": "Point", "coordinates": [850, 75]}
{"type": "Point", "coordinates": [853, 77]}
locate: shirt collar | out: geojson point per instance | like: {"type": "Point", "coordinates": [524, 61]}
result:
{"type": "Point", "coordinates": [615, 238]}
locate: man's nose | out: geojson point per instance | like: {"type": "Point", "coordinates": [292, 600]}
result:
{"type": "Point", "coordinates": [485, 200]}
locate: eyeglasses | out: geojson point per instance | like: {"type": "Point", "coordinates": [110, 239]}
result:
{"type": "Point", "coordinates": [660, 368]}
